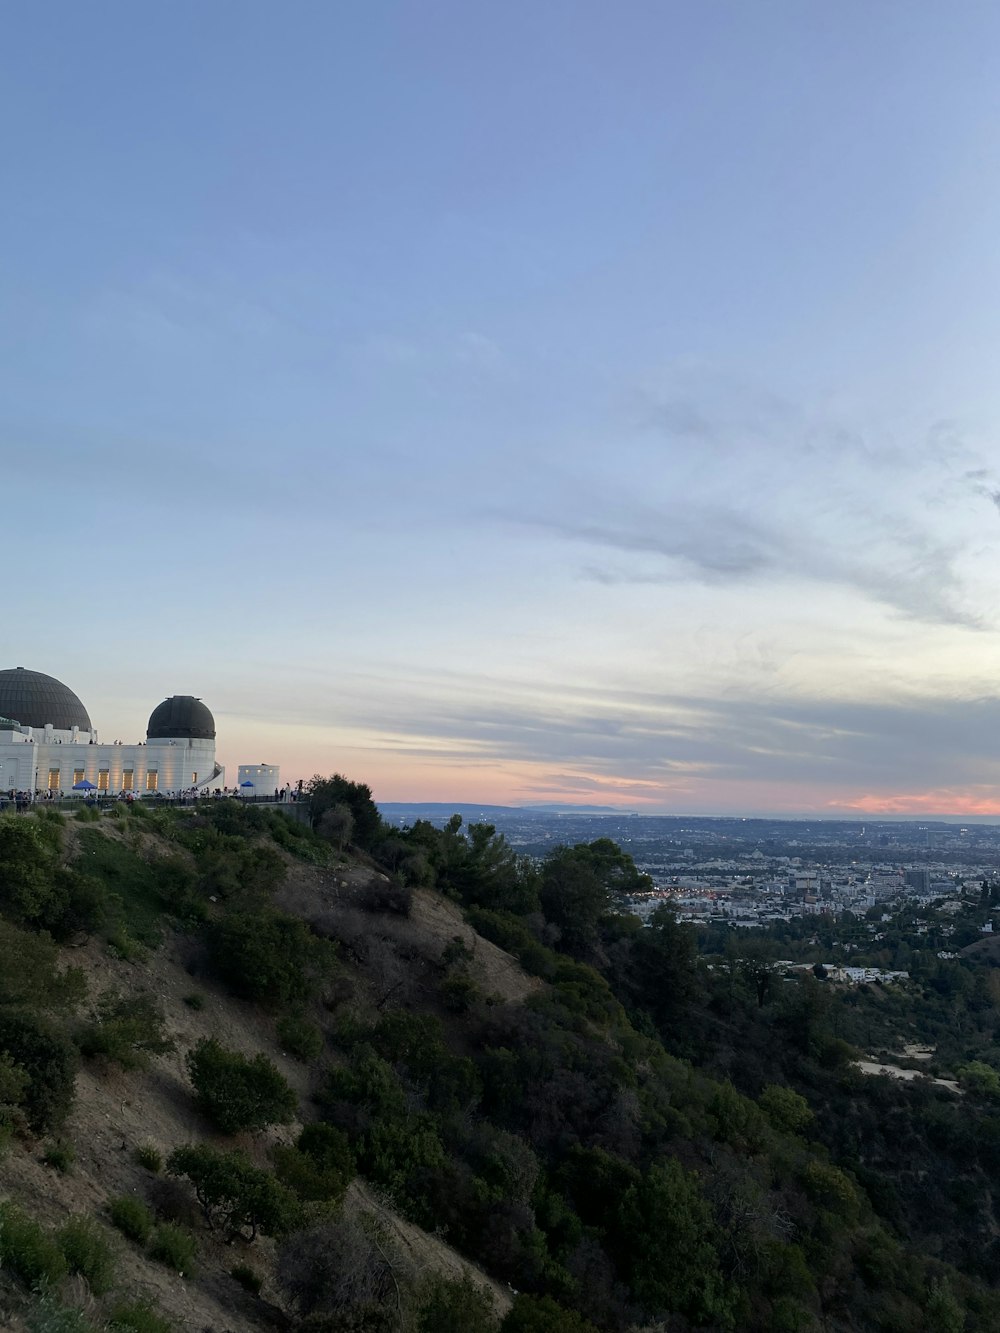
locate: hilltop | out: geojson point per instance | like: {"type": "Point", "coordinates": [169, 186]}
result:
{"type": "Point", "coordinates": [256, 1076]}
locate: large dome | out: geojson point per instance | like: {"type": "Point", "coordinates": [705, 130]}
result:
{"type": "Point", "coordinates": [33, 699]}
{"type": "Point", "coordinates": [182, 717]}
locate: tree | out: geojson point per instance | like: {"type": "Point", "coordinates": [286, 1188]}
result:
{"type": "Point", "coordinates": [327, 793]}
{"type": "Point", "coordinates": [236, 1092]}
{"type": "Point", "coordinates": [573, 897]}
{"type": "Point", "coordinates": [234, 1193]}
{"type": "Point", "coordinates": [673, 1263]}
{"type": "Point", "coordinates": [336, 825]}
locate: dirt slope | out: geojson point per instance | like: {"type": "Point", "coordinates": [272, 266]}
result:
{"type": "Point", "coordinates": [115, 1112]}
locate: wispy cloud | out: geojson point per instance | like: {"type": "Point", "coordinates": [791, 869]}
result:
{"type": "Point", "coordinates": [717, 484]}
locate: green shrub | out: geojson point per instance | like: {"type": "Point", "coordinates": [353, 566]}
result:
{"type": "Point", "coordinates": [149, 1156]}
{"type": "Point", "coordinates": [87, 814]}
{"type": "Point", "coordinates": [269, 956]}
{"type": "Point", "coordinates": [126, 1030]}
{"type": "Point", "coordinates": [234, 1193]}
{"type": "Point", "coordinates": [26, 1250]}
{"type": "Point", "coordinates": [138, 1317]}
{"type": "Point", "coordinates": [195, 1000]}
{"type": "Point", "coordinates": [459, 992]}
{"type": "Point", "coordinates": [132, 1218]}
{"type": "Point", "coordinates": [174, 1246]}
{"type": "Point", "coordinates": [47, 1314]}
{"type": "Point", "coordinates": [247, 1278]}
{"type": "Point", "coordinates": [541, 1314]}
{"type": "Point", "coordinates": [87, 1251]}
{"type": "Point", "coordinates": [828, 1186]}
{"type": "Point", "coordinates": [786, 1108]}
{"type": "Point", "coordinates": [31, 974]}
{"type": "Point", "coordinates": [320, 1166]}
{"type": "Point", "coordinates": [455, 1305]}
{"type": "Point", "coordinates": [60, 1155]}
{"type": "Point", "coordinates": [124, 946]}
{"type": "Point", "coordinates": [237, 1092]}
{"type": "Point", "coordinates": [48, 1058]}
{"type": "Point", "coordinates": [300, 1038]}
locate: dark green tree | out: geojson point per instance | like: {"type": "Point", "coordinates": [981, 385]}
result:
{"type": "Point", "coordinates": [235, 1194]}
{"type": "Point", "coordinates": [327, 793]}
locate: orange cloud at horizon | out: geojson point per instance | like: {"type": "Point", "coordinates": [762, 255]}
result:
{"type": "Point", "coordinates": [945, 801]}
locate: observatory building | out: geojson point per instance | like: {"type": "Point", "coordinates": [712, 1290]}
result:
{"type": "Point", "coordinates": [47, 744]}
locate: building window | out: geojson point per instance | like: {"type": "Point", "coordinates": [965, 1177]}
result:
{"type": "Point", "coordinates": [103, 780]}
{"type": "Point", "coordinates": [53, 779]}
{"type": "Point", "coordinates": [194, 778]}
{"type": "Point", "coordinates": [77, 775]}
{"type": "Point", "coordinates": [151, 779]}
{"type": "Point", "coordinates": [128, 779]}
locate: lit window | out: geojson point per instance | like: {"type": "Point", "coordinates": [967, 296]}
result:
{"type": "Point", "coordinates": [53, 779]}
{"type": "Point", "coordinates": [77, 775]}
{"type": "Point", "coordinates": [103, 779]}
{"type": "Point", "coordinates": [194, 778]}
{"type": "Point", "coordinates": [128, 779]}
{"type": "Point", "coordinates": [151, 779]}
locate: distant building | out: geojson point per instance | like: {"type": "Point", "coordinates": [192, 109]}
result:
{"type": "Point", "coordinates": [48, 744]}
{"type": "Point", "coordinates": [260, 779]}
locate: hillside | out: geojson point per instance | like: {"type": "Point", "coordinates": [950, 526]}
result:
{"type": "Point", "coordinates": [392, 1079]}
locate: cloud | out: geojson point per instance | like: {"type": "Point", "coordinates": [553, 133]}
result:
{"type": "Point", "coordinates": [651, 746]}
{"type": "Point", "coordinates": [717, 483]}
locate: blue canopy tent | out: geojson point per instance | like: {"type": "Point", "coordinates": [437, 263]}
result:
{"type": "Point", "coordinates": [84, 786]}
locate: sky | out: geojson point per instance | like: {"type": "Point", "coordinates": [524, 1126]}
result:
{"type": "Point", "coordinates": [548, 401]}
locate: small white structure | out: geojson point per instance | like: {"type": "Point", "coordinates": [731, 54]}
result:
{"type": "Point", "coordinates": [264, 779]}
{"type": "Point", "coordinates": [47, 744]}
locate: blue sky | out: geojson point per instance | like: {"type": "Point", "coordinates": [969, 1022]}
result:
{"type": "Point", "coordinates": [515, 402]}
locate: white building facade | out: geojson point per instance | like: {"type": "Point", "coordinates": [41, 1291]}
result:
{"type": "Point", "coordinates": [260, 779]}
{"type": "Point", "coordinates": [48, 745]}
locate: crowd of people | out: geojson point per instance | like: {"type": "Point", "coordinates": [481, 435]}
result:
{"type": "Point", "coordinates": [23, 800]}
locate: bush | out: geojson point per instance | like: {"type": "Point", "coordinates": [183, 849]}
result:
{"type": "Point", "coordinates": [47, 1314]}
{"type": "Point", "coordinates": [320, 1166]}
{"type": "Point", "coordinates": [300, 1038]}
{"type": "Point", "coordinates": [455, 1306]}
{"type": "Point", "coordinates": [174, 1246]}
{"type": "Point", "coordinates": [268, 956]}
{"type": "Point", "coordinates": [541, 1314]}
{"type": "Point", "coordinates": [26, 1250]}
{"type": "Point", "coordinates": [195, 1000]}
{"type": "Point", "coordinates": [459, 992]}
{"type": "Point", "coordinates": [247, 1278]}
{"type": "Point", "coordinates": [126, 1030]}
{"type": "Point", "coordinates": [236, 1092]}
{"type": "Point", "coordinates": [48, 1058]}
{"type": "Point", "coordinates": [388, 895]}
{"type": "Point", "coordinates": [138, 1317]}
{"type": "Point", "coordinates": [132, 1218]}
{"type": "Point", "coordinates": [60, 1155]}
{"type": "Point", "coordinates": [830, 1188]}
{"type": "Point", "coordinates": [786, 1108]}
{"type": "Point", "coordinates": [87, 1251]}
{"type": "Point", "coordinates": [235, 1193]}
{"type": "Point", "coordinates": [149, 1156]}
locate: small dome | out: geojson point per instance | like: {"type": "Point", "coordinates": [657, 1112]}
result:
{"type": "Point", "coordinates": [35, 700]}
{"type": "Point", "coordinates": [181, 717]}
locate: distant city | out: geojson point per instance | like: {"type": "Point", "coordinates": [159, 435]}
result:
{"type": "Point", "coordinates": [755, 872]}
